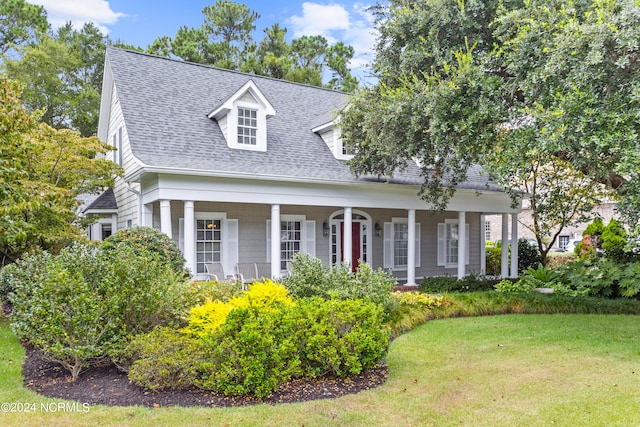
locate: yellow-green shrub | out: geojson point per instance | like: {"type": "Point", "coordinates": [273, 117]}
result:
{"type": "Point", "coordinates": [208, 317]}
{"type": "Point", "coordinates": [411, 309]}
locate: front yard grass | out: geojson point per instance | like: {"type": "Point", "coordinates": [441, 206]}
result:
{"type": "Point", "coordinates": [510, 370]}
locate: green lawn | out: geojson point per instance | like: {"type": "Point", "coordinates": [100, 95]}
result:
{"type": "Point", "coordinates": [513, 370]}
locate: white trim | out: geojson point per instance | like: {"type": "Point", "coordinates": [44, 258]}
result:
{"type": "Point", "coordinates": [442, 237]}
{"type": "Point", "coordinates": [368, 222]}
{"type": "Point", "coordinates": [229, 110]}
{"type": "Point", "coordinates": [389, 244]}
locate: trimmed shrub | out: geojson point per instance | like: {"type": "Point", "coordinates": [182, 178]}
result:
{"type": "Point", "coordinates": [202, 292]}
{"type": "Point", "coordinates": [253, 353]}
{"type": "Point", "coordinates": [493, 261]}
{"type": "Point", "coordinates": [208, 317]}
{"type": "Point", "coordinates": [448, 283]}
{"type": "Point", "coordinates": [164, 359]}
{"type": "Point", "coordinates": [85, 303]}
{"type": "Point", "coordinates": [311, 278]}
{"type": "Point", "coordinates": [256, 349]}
{"type": "Point", "coordinates": [149, 239]}
{"type": "Point", "coordinates": [340, 337]}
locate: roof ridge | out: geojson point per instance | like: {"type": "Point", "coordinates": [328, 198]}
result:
{"type": "Point", "coordinates": [248, 75]}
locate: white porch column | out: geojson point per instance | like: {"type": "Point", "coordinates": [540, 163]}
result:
{"type": "Point", "coordinates": [147, 215]}
{"type": "Point", "coordinates": [483, 244]}
{"type": "Point", "coordinates": [462, 243]}
{"type": "Point", "coordinates": [190, 236]}
{"type": "Point", "coordinates": [514, 245]}
{"type": "Point", "coordinates": [165, 217]}
{"type": "Point", "coordinates": [347, 244]}
{"type": "Point", "coordinates": [411, 248]}
{"type": "Point", "coordinates": [275, 241]}
{"type": "Point", "coordinates": [504, 259]}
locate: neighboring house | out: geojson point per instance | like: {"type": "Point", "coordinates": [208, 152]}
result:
{"type": "Point", "coordinates": [568, 237]}
{"type": "Point", "coordinates": [105, 208]}
{"type": "Point", "coordinates": [241, 168]}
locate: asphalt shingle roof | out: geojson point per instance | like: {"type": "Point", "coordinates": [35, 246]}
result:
{"type": "Point", "coordinates": [105, 201]}
{"type": "Point", "coordinates": [165, 104]}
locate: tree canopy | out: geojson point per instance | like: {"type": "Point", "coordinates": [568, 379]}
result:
{"type": "Point", "coordinates": [225, 40]}
{"type": "Point", "coordinates": [42, 171]}
{"type": "Point", "coordinates": [477, 82]}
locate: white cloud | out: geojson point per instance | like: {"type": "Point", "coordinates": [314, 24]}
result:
{"type": "Point", "coordinates": [320, 20]}
{"type": "Point", "coordinates": [335, 22]}
{"type": "Point", "coordinates": [79, 12]}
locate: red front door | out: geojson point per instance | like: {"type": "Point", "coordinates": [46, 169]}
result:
{"type": "Point", "coordinates": [355, 244]}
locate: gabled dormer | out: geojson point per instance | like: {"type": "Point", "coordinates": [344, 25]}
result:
{"type": "Point", "coordinates": [331, 135]}
{"type": "Point", "coordinates": [243, 118]}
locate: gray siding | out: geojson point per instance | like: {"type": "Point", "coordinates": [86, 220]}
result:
{"type": "Point", "coordinates": [252, 222]}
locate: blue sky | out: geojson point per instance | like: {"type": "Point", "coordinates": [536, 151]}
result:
{"type": "Point", "coordinates": [139, 22]}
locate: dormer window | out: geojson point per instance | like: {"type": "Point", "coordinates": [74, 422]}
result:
{"type": "Point", "coordinates": [331, 135]}
{"type": "Point", "coordinates": [243, 118]}
{"type": "Point", "coordinates": [247, 126]}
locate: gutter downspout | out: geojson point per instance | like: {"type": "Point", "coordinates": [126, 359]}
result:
{"type": "Point", "coordinates": [139, 194]}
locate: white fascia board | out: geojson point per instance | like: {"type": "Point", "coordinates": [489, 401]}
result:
{"type": "Point", "coordinates": [105, 100]}
{"type": "Point", "coordinates": [100, 211]}
{"type": "Point", "coordinates": [326, 127]}
{"type": "Point", "coordinates": [313, 193]}
{"type": "Point", "coordinates": [250, 87]}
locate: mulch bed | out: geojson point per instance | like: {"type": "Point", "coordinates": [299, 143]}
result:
{"type": "Point", "coordinates": [110, 386]}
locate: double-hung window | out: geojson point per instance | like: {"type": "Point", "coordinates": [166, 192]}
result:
{"type": "Point", "coordinates": [290, 241]}
{"type": "Point", "coordinates": [247, 126]}
{"type": "Point", "coordinates": [449, 242]}
{"type": "Point", "coordinates": [396, 244]}
{"type": "Point", "coordinates": [208, 242]}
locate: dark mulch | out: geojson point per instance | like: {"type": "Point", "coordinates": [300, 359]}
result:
{"type": "Point", "coordinates": [110, 386]}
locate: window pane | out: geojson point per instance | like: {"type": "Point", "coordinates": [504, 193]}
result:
{"type": "Point", "coordinates": [400, 244]}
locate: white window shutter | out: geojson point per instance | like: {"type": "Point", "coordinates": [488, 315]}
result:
{"type": "Point", "coordinates": [418, 245]}
{"type": "Point", "coordinates": [181, 234]}
{"type": "Point", "coordinates": [388, 245]}
{"type": "Point", "coordinates": [466, 232]}
{"type": "Point", "coordinates": [309, 244]}
{"type": "Point", "coordinates": [230, 252]}
{"type": "Point", "coordinates": [442, 244]}
{"type": "Point", "coordinates": [268, 240]}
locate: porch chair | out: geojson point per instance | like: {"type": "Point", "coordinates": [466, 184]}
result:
{"type": "Point", "coordinates": [247, 273]}
{"type": "Point", "coordinates": [215, 271]}
{"type": "Point", "coordinates": [263, 270]}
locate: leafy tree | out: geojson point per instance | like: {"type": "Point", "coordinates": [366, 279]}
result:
{"type": "Point", "coordinates": [42, 171]}
{"type": "Point", "coordinates": [559, 196]}
{"type": "Point", "coordinates": [459, 81]}
{"type": "Point", "coordinates": [62, 75]}
{"type": "Point", "coordinates": [19, 23]}
{"type": "Point", "coordinates": [225, 40]}
{"type": "Point", "coordinates": [229, 25]}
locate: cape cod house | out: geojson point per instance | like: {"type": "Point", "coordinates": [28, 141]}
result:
{"type": "Point", "coordinates": [240, 168]}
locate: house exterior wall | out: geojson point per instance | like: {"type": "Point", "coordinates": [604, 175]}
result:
{"type": "Point", "coordinates": [126, 199]}
{"type": "Point", "coordinates": [252, 232]}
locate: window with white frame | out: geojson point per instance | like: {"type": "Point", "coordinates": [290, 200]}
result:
{"type": "Point", "coordinates": [296, 235]}
{"type": "Point", "coordinates": [396, 244]}
{"type": "Point", "coordinates": [290, 241]}
{"type": "Point", "coordinates": [247, 126]}
{"type": "Point", "coordinates": [563, 242]}
{"type": "Point", "coordinates": [208, 242]}
{"type": "Point", "coordinates": [487, 230]}
{"type": "Point", "coordinates": [449, 242]}
{"type": "Point", "coordinates": [117, 143]}
{"type": "Point", "coordinates": [400, 244]}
